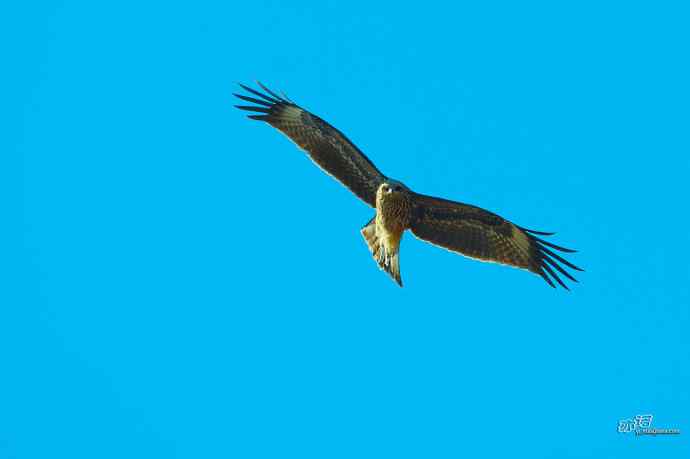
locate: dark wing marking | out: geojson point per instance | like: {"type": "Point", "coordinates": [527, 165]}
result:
{"type": "Point", "coordinates": [480, 234]}
{"type": "Point", "coordinates": [326, 146]}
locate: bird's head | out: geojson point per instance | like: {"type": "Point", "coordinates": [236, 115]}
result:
{"type": "Point", "coordinates": [391, 188]}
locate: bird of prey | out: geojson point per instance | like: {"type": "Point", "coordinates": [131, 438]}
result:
{"type": "Point", "coordinates": [458, 227]}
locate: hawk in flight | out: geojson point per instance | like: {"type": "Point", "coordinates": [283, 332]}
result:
{"type": "Point", "coordinates": [458, 227]}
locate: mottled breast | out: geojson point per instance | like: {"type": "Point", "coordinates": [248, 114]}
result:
{"type": "Point", "coordinates": [394, 211]}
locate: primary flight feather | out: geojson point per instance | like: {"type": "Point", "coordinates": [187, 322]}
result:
{"type": "Point", "coordinates": [461, 228]}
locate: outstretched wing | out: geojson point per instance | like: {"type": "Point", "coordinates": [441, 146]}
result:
{"type": "Point", "coordinates": [480, 234]}
{"type": "Point", "coordinates": [326, 146]}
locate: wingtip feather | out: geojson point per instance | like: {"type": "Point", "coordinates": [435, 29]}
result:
{"type": "Point", "coordinates": [555, 276]}
{"type": "Point", "coordinates": [257, 93]}
{"type": "Point", "coordinates": [554, 246]}
{"type": "Point", "coordinates": [253, 108]}
{"type": "Point", "coordinates": [541, 233]}
{"type": "Point", "coordinates": [546, 278]}
{"type": "Point", "coordinates": [545, 258]}
{"type": "Point", "coordinates": [271, 92]}
{"type": "Point", "coordinates": [254, 100]}
{"type": "Point", "coordinates": [558, 257]}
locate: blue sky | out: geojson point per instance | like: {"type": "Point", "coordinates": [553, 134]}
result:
{"type": "Point", "coordinates": [190, 285]}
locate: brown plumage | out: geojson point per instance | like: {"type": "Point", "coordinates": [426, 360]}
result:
{"type": "Point", "coordinates": [461, 228]}
{"type": "Point", "coordinates": [327, 147]}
